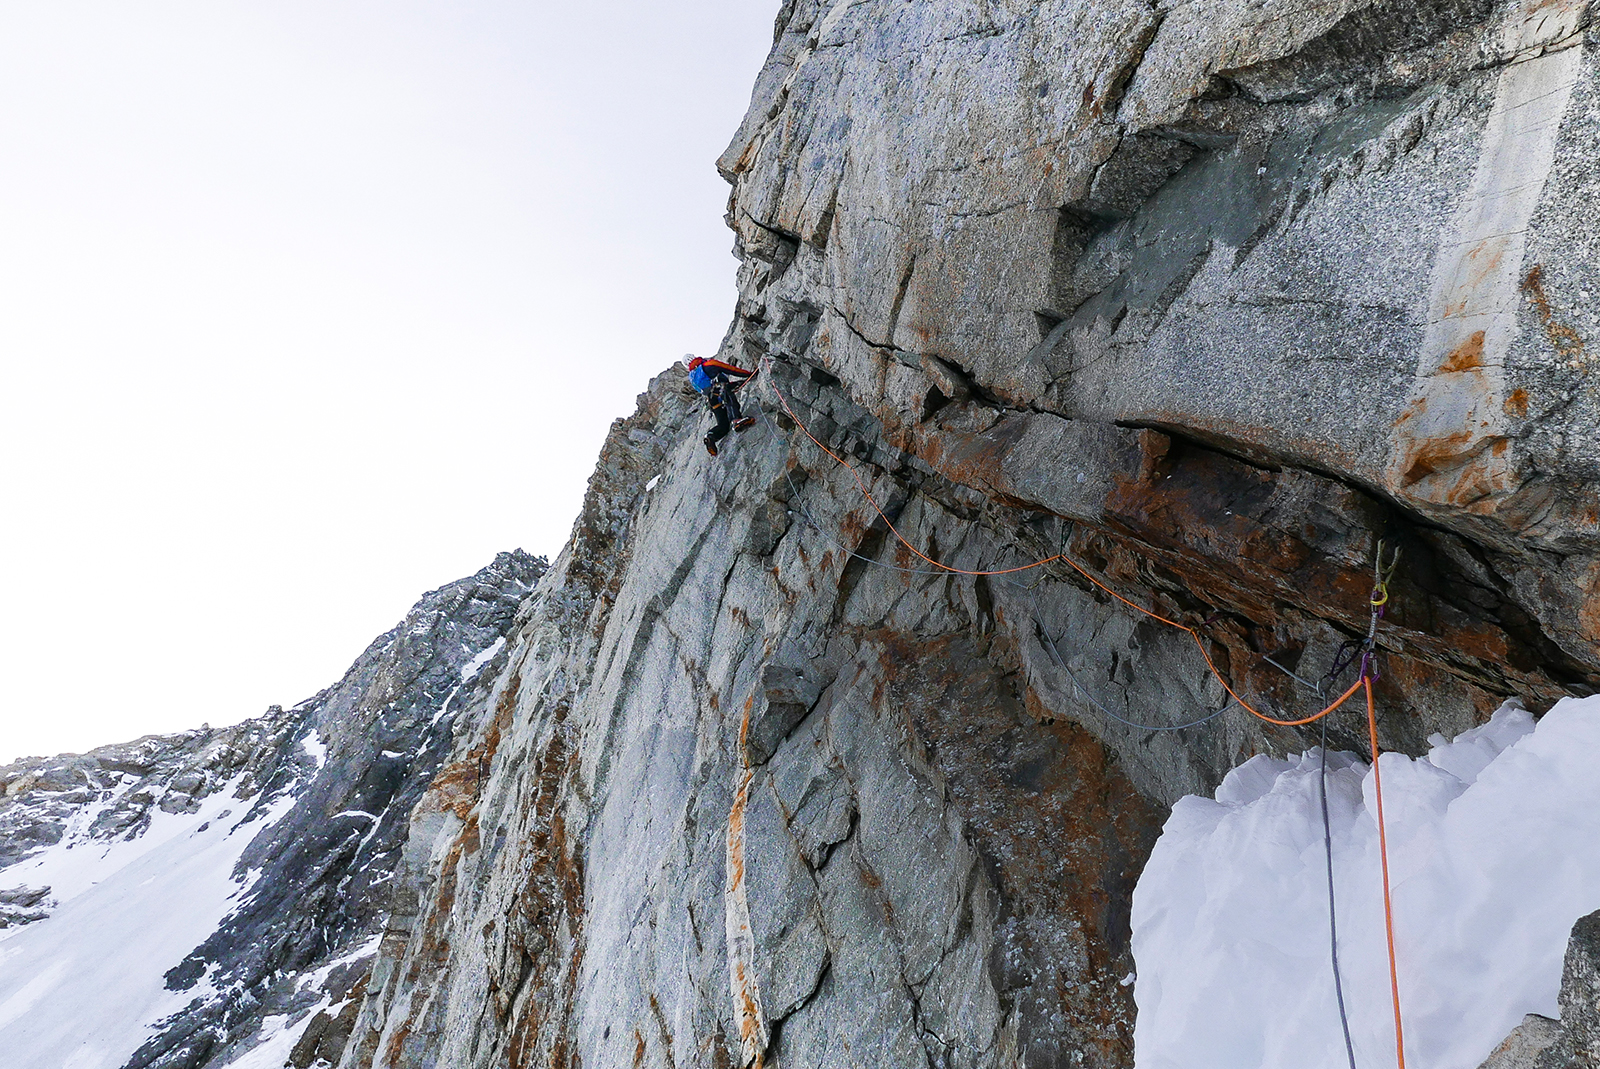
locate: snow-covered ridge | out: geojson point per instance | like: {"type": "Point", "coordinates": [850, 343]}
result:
{"type": "Point", "coordinates": [1494, 849]}
{"type": "Point", "coordinates": [128, 911]}
{"type": "Point", "coordinates": [70, 822]}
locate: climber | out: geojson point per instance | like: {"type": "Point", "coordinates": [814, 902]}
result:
{"type": "Point", "coordinates": [720, 383]}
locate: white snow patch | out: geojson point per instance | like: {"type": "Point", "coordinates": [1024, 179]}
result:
{"type": "Point", "coordinates": [314, 746]}
{"type": "Point", "coordinates": [1494, 852]}
{"type": "Point", "coordinates": [82, 987]}
{"type": "Point", "coordinates": [470, 670]}
{"type": "Point", "coordinates": [651, 485]}
{"type": "Point", "coordinates": [280, 1032]}
{"type": "Point", "coordinates": [78, 862]}
{"type": "Point", "coordinates": [444, 708]}
{"type": "Point", "coordinates": [275, 1041]}
{"type": "Point", "coordinates": [319, 976]}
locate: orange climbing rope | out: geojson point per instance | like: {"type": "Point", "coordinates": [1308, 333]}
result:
{"type": "Point", "coordinates": [1380, 597]}
{"type": "Point", "coordinates": [798, 422]}
{"type": "Point", "coordinates": [1192, 632]}
{"type": "Point", "coordinates": [1383, 856]}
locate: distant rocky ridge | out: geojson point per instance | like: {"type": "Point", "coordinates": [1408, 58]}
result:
{"type": "Point", "coordinates": [110, 793]}
{"type": "Point", "coordinates": [353, 759]}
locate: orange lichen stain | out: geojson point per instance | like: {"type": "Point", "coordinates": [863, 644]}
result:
{"type": "Point", "coordinates": [1516, 405]}
{"type": "Point", "coordinates": [1435, 454]}
{"type": "Point", "coordinates": [1589, 611]}
{"type": "Point", "coordinates": [1563, 339]}
{"type": "Point", "coordinates": [744, 722]}
{"type": "Point", "coordinates": [1466, 356]}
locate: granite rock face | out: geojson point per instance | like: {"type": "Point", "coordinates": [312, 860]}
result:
{"type": "Point", "coordinates": [1209, 298]}
{"type": "Point", "coordinates": [325, 866]}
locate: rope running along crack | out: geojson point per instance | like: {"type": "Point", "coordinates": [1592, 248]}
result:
{"type": "Point", "coordinates": [1379, 599]}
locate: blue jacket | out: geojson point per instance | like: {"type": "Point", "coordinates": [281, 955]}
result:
{"type": "Point", "coordinates": [711, 372]}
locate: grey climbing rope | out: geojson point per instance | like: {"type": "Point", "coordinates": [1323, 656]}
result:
{"type": "Point", "coordinates": [799, 502]}
{"type": "Point", "coordinates": [1056, 654]}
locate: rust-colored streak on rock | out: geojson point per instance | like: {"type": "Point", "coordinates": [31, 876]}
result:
{"type": "Point", "coordinates": [505, 708]}
{"type": "Point", "coordinates": [544, 965]}
{"type": "Point", "coordinates": [972, 459]}
{"type": "Point", "coordinates": [1432, 455]}
{"type": "Point", "coordinates": [1058, 822]}
{"type": "Point", "coordinates": [457, 786]}
{"type": "Point", "coordinates": [1563, 339]}
{"type": "Point", "coordinates": [1218, 509]}
{"type": "Point", "coordinates": [1218, 532]}
{"type": "Point", "coordinates": [396, 1046]}
{"type": "Point", "coordinates": [1516, 403]}
{"type": "Point", "coordinates": [1466, 356]}
{"type": "Point", "coordinates": [744, 729]}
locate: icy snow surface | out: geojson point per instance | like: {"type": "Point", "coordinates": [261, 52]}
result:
{"type": "Point", "coordinates": [1494, 852]}
{"type": "Point", "coordinates": [474, 666]}
{"type": "Point", "coordinates": [280, 1032]}
{"type": "Point", "coordinates": [315, 748]}
{"type": "Point", "coordinates": [80, 989]}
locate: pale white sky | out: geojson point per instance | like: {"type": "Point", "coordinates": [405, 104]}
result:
{"type": "Point", "coordinates": [308, 307]}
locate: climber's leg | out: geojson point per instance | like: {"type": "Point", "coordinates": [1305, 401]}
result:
{"type": "Point", "coordinates": [741, 422]}
{"type": "Point", "coordinates": [719, 408]}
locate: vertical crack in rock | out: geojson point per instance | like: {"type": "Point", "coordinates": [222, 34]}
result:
{"type": "Point", "coordinates": [1453, 443]}
{"type": "Point", "coordinates": [750, 1022]}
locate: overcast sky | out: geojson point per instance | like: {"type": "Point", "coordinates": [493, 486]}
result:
{"type": "Point", "coordinates": [309, 307]}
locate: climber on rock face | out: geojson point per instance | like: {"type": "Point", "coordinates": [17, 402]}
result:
{"type": "Point", "coordinates": [720, 383]}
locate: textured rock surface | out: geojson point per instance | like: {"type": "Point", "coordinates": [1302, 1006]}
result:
{"type": "Point", "coordinates": [1574, 1041]}
{"type": "Point", "coordinates": [1526, 1043]}
{"type": "Point", "coordinates": [1213, 296]}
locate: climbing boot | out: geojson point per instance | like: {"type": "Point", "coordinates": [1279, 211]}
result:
{"type": "Point", "coordinates": [711, 447]}
{"type": "Point", "coordinates": [745, 424]}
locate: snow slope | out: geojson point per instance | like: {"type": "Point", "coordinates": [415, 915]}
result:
{"type": "Point", "coordinates": [1494, 848]}
{"type": "Point", "coordinates": [128, 912]}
